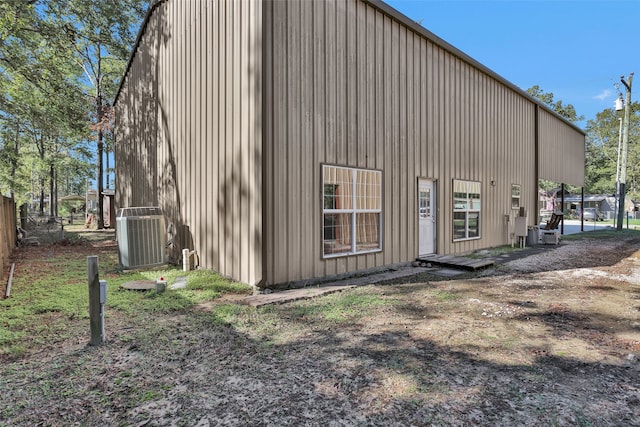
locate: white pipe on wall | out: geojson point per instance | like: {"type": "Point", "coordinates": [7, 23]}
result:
{"type": "Point", "coordinates": [186, 258]}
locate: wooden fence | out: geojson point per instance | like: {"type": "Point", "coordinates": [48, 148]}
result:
{"type": "Point", "coordinates": [7, 231]}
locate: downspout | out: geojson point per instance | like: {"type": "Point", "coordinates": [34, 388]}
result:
{"type": "Point", "coordinates": [536, 161]}
{"type": "Point", "coordinates": [582, 210]}
{"type": "Point", "coordinates": [562, 208]}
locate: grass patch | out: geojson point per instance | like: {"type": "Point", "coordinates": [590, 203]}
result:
{"type": "Point", "coordinates": [232, 314]}
{"type": "Point", "coordinates": [339, 307]}
{"type": "Point", "coordinates": [603, 234]}
{"type": "Point", "coordinates": [50, 293]}
{"type": "Point", "coordinates": [149, 395]}
{"type": "Point", "coordinates": [202, 286]}
{"type": "Point", "coordinates": [632, 222]}
{"type": "Point", "coordinates": [444, 296]}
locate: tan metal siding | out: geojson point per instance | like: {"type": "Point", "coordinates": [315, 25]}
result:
{"type": "Point", "coordinates": [202, 130]}
{"type": "Point", "coordinates": [350, 86]}
{"type": "Point", "coordinates": [189, 129]}
{"type": "Point", "coordinates": [561, 151]}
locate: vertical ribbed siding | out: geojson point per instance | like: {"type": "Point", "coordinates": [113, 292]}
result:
{"type": "Point", "coordinates": [345, 83]}
{"type": "Point", "coordinates": [561, 151]}
{"type": "Point", "coordinates": [477, 129]}
{"type": "Point", "coordinates": [189, 129]}
{"type": "Point", "coordinates": [348, 85]}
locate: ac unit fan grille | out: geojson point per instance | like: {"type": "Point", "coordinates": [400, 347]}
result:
{"type": "Point", "coordinates": [141, 239]}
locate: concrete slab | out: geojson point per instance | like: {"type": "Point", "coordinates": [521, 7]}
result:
{"type": "Point", "coordinates": [179, 283]}
{"type": "Point", "coordinates": [281, 297]}
{"type": "Point", "coordinates": [139, 285]}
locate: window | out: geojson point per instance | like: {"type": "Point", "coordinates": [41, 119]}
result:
{"type": "Point", "coordinates": [424, 200]}
{"type": "Point", "coordinates": [466, 210]}
{"type": "Point", "coordinates": [515, 196]}
{"type": "Point", "coordinates": [329, 198]}
{"type": "Point", "coordinates": [351, 210]}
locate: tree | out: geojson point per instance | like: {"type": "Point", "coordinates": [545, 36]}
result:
{"type": "Point", "coordinates": [60, 63]}
{"type": "Point", "coordinates": [603, 136]}
{"type": "Point", "coordinates": [102, 34]}
{"type": "Point", "coordinates": [567, 111]}
{"type": "Point", "coordinates": [40, 99]}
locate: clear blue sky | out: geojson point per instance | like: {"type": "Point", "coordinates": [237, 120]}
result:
{"type": "Point", "coordinates": [575, 49]}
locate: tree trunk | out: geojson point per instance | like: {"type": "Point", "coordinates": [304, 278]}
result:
{"type": "Point", "coordinates": [100, 219]}
{"type": "Point", "coordinates": [52, 212]}
{"type": "Point", "coordinates": [40, 145]}
{"type": "Point", "coordinates": [41, 196]}
{"type": "Point", "coordinates": [55, 191]}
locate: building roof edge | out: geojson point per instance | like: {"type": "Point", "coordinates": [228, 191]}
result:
{"type": "Point", "coordinates": [398, 16]}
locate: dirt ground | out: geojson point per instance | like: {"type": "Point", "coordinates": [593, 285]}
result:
{"type": "Point", "coordinates": [548, 339]}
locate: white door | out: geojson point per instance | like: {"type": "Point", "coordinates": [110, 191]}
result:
{"type": "Point", "coordinates": [426, 217]}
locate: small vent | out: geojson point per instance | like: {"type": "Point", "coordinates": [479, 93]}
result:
{"type": "Point", "coordinates": [141, 236]}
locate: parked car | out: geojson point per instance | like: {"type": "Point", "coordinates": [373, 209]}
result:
{"type": "Point", "coordinates": [591, 214]}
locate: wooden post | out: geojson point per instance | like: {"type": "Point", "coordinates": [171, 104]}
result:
{"type": "Point", "coordinates": [95, 319]}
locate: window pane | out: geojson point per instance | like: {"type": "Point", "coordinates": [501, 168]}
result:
{"type": "Point", "coordinates": [352, 210]}
{"type": "Point", "coordinates": [337, 233]}
{"type": "Point", "coordinates": [474, 196]}
{"type": "Point", "coordinates": [515, 196]}
{"type": "Point", "coordinates": [459, 225]}
{"type": "Point", "coordinates": [340, 180]}
{"type": "Point", "coordinates": [368, 190]}
{"type": "Point", "coordinates": [330, 196]}
{"type": "Point", "coordinates": [474, 202]}
{"type": "Point", "coordinates": [330, 227]}
{"type": "Point", "coordinates": [474, 187]}
{"type": "Point", "coordinates": [467, 202]}
{"type": "Point", "coordinates": [367, 231]}
{"type": "Point", "coordinates": [473, 224]}
{"type": "Point", "coordinates": [425, 207]}
{"type": "Point", "coordinates": [460, 201]}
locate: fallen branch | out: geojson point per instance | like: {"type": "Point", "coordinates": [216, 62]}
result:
{"type": "Point", "coordinates": [7, 292]}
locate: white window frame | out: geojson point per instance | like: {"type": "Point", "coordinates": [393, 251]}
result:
{"type": "Point", "coordinates": [468, 209]}
{"type": "Point", "coordinates": [518, 197]}
{"type": "Point", "coordinates": [353, 211]}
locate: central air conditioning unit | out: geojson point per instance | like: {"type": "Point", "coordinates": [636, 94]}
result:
{"type": "Point", "coordinates": [141, 237]}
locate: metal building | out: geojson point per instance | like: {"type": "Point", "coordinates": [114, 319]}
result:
{"type": "Point", "coordinates": [291, 140]}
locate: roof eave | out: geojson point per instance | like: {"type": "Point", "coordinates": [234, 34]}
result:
{"type": "Point", "coordinates": [152, 7]}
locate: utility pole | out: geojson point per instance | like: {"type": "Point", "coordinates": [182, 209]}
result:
{"type": "Point", "coordinates": [623, 151]}
{"type": "Point", "coordinates": [617, 194]}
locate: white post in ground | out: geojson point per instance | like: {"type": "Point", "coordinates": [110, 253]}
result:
{"type": "Point", "coordinates": [95, 318]}
{"type": "Point", "coordinates": [103, 301]}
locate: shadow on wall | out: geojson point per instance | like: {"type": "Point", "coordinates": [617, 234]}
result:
{"type": "Point", "coordinates": [165, 170]}
{"type": "Point", "coordinates": [160, 152]}
{"type": "Point", "coordinates": [239, 191]}
{"type": "Point", "coordinates": [146, 165]}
